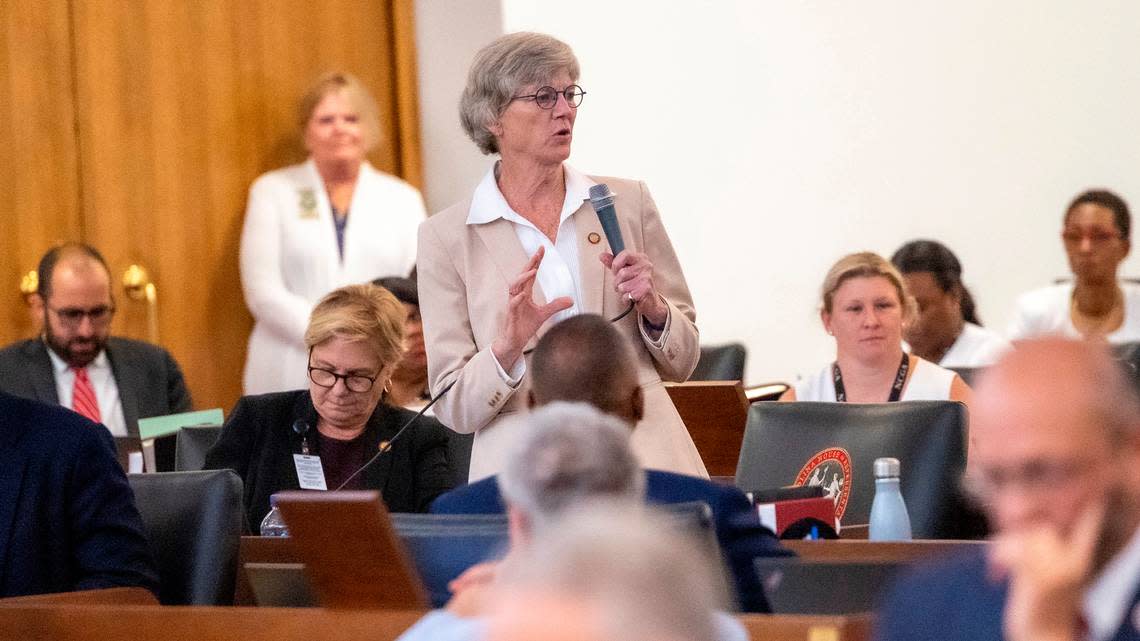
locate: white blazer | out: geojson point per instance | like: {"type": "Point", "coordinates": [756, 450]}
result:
{"type": "Point", "coordinates": [289, 259]}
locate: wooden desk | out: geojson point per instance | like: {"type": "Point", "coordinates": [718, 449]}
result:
{"type": "Point", "coordinates": [260, 549]}
{"type": "Point", "coordinates": [196, 623]}
{"type": "Point", "coordinates": [785, 627]}
{"type": "Point", "coordinates": [109, 596]}
{"type": "Point", "coordinates": [715, 413]}
{"type": "Point", "coordinates": [31, 622]}
{"type": "Point", "coordinates": [878, 551]}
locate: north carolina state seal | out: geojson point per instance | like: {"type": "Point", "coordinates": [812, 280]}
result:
{"type": "Point", "coordinates": [831, 470]}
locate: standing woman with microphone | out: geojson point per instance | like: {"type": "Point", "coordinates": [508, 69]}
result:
{"type": "Point", "coordinates": [526, 250]}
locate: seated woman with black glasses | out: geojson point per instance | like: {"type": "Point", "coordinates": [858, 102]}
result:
{"type": "Point", "coordinates": [1096, 304]}
{"type": "Point", "coordinates": [318, 438]}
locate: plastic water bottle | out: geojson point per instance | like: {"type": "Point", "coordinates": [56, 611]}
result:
{"type": "Point", "coordinates": [889, 519]}
{"type": "Point", "coordinates": [273, 524]}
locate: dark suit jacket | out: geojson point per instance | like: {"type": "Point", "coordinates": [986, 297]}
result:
{"type": "Point", "coordinates": [738, 530]}
{"type": "Point", "coordinates": [258, 442]}
{"type": "Point", "coordinates": [67, 516]}
{"type": "Point", "coordinates": [953, 600]}
{"type": "Point", "coordinates": [150, 383]}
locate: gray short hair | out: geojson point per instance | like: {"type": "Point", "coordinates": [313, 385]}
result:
{"type": "Point", "coordinates": [639, 573]}
{"type": "Point", "coordinates": [500, 69]}
{"type": "Point", "coordinates": [570, 452]}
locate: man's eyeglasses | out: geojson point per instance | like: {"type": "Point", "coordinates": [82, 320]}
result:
{"type": "Point", "coordinates": [354, 382]}
{"type": "Point", "coordinates": [547, 97]}
{"type": "Point", "coordinates": [73, 316]}
{"type": "Point", "coordinates": [1037, 478]}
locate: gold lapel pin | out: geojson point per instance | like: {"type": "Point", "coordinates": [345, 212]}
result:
{"type": "Point", "coordinates": [594, 238]}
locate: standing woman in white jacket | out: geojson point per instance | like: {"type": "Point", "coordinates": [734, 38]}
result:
{"type": "Point", "coordinates": [331, 221]}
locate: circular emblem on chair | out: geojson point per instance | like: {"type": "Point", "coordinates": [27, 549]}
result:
{"type": "Point", "coordinates": [831, 470]}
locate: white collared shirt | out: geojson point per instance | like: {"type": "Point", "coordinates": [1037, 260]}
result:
{"type": "Point", "coordinates": [559, 274]}
{"type": "Point", "coordinates": [1107, 601]}
{"type": "Point", "coordinates": [102, 380]}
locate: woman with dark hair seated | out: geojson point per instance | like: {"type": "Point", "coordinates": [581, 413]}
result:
{"type": "Point", "coordinates": [1096, 232]}
{"type": "Point", "coordinates": [946, 330]}
{"type": "Point", "coordinates": [355, 338]}
{"type": "Point", "coordinates": [409, 385]}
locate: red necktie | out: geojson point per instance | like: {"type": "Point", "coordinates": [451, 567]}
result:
{"type": "Point", "coordinates": [83, 396]}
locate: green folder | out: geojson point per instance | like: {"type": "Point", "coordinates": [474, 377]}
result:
{"type": "Point", "coordinates": [158, 426]}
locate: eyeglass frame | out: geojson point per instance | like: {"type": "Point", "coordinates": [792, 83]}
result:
{"type": "Point", "coordinates": [72, 317]}
{"type": "Point", "coordinates": [1075, 237]}
{"type": "Point", "coordinates": [580, 94]}
{"type": "Point", "coordinates": [344, 377]}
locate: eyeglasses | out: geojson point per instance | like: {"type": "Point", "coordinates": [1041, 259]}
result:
{"type": "Point", "coordinates": [547, 97]}
{"type": "Point", "coordinates": [354, 382]}
{"type": "Point", "coordinates": [1037, 478]}
{"type": "Point", "coordinates": [1095, 236]}
{"type": "Point", "coordinates": [73, 316]}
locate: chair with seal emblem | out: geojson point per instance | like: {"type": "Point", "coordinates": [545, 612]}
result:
{"type": "Point", "coordinates": [834, 445]}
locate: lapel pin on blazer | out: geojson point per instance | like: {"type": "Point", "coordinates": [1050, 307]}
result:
{"type": "Point", "coordinates": [307, 203]}
{"type": "Point", "coordinates": [594, 238]}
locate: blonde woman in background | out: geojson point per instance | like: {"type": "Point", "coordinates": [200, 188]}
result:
{"type": "Point", "coordinates": [865, 306]}
{"type": "Point", "coordinates": [310, 228]}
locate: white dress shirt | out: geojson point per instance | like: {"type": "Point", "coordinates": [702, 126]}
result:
{"type": "Point", "coordinates": [102, 380]}
{"type": "Point", "coordinates": [559, 274]}
{"type": "Point", "coordinates": [1106, 602]}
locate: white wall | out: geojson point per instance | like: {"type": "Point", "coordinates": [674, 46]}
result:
{"type": "Point", "coordinates": [448, 33]}
{"type": "Point", "coordinates": [777, 136]}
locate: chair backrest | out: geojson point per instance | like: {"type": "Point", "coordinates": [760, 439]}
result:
{"type": "Point", "coordinates": [836, 444]}
{"type": "Point", "coordinates": [799, 586]}
{"type": "Point", "coordinates": [721, 363]}
{"type": "Point", "coordinates": [193, 521]}
{"type": "Point", "coordinates": [192, 444]}
{"type": "Point", "coordinates": [442, 546]}
{"type": "Point", "coordinates": [714, 413]}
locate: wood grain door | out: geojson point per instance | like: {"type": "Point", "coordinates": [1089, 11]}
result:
{"type": "Point", "coordinates": [180, 105]}
{"type": "Point", "coordinates": [39, 175]}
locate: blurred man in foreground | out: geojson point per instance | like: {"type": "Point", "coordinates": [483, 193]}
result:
{"type": "Point", "coordinates": [584, 359]}
{"type": "Point", "coordinates": [572, 456]}
{"type": "Point", "coordinates": [1056, 464]}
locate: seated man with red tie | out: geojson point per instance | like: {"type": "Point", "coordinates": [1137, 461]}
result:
{"type": "Point", "coordinates": [77, 364]}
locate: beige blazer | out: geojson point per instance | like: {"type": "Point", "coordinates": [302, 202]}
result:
{"type": "Point", "coordinates": [464, 273]}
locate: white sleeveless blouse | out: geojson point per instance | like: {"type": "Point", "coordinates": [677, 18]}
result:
{"type": "Point", "coordinates": [928, 382]}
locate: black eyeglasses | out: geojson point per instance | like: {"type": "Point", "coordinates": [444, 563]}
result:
{"type": "Point", "coordinates": [73, 316]}
{"type": "Point", "coordinates": [354, 382]}
{"type": "Point", "coordinates": [547, 97]}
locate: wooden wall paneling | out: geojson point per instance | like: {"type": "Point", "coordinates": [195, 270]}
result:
{"type": "Point", "coordinates": [39, 176]}
{"type": "Point", "coordinates": [181, 105]}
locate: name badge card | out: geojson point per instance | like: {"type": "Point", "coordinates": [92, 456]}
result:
{"type": "Point", "coordinates": [310, 474]}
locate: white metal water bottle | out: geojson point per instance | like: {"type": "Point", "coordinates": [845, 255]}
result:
{"type": "Point", "coordinates": [273, 524]}
{"type": "Point", "coordinates": [889, 519]}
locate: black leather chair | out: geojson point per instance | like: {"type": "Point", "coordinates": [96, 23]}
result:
{"type": "Point", "coordinates": [442, 546]}
{"type": "Point", "coordinates": [191, 445]}
{"type": "Point", "coordinates": [193, 521]}
{"type": "Point", "coordinates": [836, 444]}
{"type": "Point", "coordinates": [721, 363]}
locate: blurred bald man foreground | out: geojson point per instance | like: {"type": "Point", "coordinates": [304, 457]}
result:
{"type": "Point", "coordinates": [1055, 462]}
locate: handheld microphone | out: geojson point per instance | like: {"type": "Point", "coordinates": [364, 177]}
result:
{"type": "Point", "coordinates": [386, 446]}
{"type": "Point", "coordinates": [602, 200]}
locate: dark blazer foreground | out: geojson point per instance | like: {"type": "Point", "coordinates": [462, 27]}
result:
{"type": "Point", "coordinates": [953, 600]}
{"type": "Point", "coordinates": [150, 382]}
{"type": "Point", "coordinates": [67, 516]}
{"type": "Point", "coordinates": [738, 530]}
{"type": "Point", "coordinates": [258, 442]}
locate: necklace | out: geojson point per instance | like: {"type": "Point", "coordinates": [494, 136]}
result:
{"type": "Point", "coordinates": [1101, 324]}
